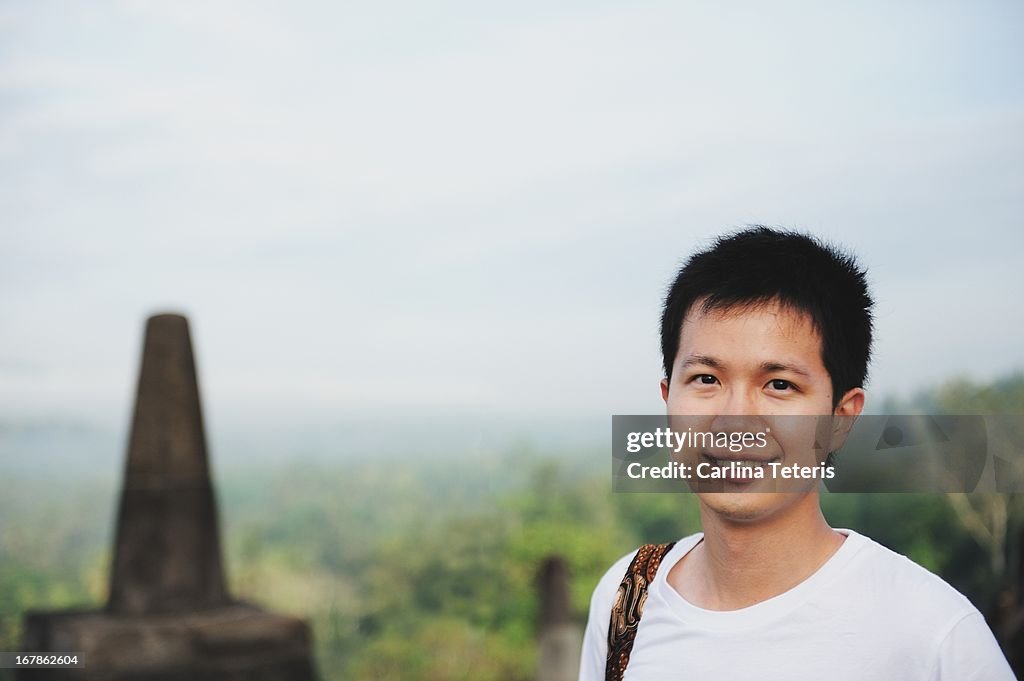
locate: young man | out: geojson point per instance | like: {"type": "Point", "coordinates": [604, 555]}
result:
{"type": "Point", "coordinates": [769, 323]}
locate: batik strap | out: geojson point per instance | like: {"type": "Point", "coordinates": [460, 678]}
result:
{"type": "Point", "coordinates": [629, 607]}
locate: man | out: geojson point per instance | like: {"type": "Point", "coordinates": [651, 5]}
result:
{"type": "Point", "coordinates": [768, 323]}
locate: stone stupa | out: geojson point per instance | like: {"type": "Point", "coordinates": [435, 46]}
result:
{"type": "Point", "coordinates": [560, 637]}
{"type": "Point", "coordinates": [170, 616]}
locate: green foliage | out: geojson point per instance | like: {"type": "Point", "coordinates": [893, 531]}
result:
{"type": "Point", "coordinates": [412, 581]}
{"type": "Point", "coordinates": [916, 525]}
{"type": "Point", "coordinates": [985, 559]}
{"type": "Point", "coordinates": [52, 549]}
{"type": "Point", "coordinates": [424, 571]}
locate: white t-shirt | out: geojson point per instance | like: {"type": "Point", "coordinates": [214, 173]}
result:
{"type": "Point", "coordinates": [868, 614]}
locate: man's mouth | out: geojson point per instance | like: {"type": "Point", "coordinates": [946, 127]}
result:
{"type": "Point", "coordinates": [723, 461]}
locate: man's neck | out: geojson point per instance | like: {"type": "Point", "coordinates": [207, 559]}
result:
{"type": "Point", "coordinates": [739, 564]}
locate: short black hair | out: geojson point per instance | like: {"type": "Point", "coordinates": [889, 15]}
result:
{"type": "Point", "coordinates": [799, 271]}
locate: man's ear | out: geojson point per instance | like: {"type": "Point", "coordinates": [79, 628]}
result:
{"type": "Point", "coordinates": [845, 415]}
{"type": "Point", "coordinates": [664, 390]}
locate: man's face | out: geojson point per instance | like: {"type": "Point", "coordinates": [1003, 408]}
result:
{"type": "Point", "coordinates": [741, 366]}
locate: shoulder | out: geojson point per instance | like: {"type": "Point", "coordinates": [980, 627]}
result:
{"type": "Point", "coordinates": [899, 606]}
{"type": "Point", "coordinates": [608, 585]}
{"type": "Point", "coordinates": [921, 609]}
{"type": "Point", "coordinates": [595, 639]}
{"type": "Point", "coordinates": [604, 593]}
{"type": "Point", "coordinates": [595, 636]}
{"type": "Point", "coordinates": [900, 581]}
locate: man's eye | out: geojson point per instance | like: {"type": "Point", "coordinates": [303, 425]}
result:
{"type": "Point", "coordinates": [705, 379]}
{"type": "Point", "coordinates": [781, 385]}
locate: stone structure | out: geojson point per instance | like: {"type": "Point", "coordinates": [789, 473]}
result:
{"type": "Point", "coordinates": [560, 636]}
{"type": "Point", "coordinates": [169, 616]}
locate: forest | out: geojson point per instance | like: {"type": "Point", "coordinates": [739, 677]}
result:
{"type": "Point", "coordinates": [413, 573]}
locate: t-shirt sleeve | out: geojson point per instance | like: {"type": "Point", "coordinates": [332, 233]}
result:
{"type": "Point", "coordinates": [595, 637]}
{"type": "Point", "coordinates": [970, 653]}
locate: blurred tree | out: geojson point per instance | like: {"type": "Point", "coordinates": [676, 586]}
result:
{"type": "Point", "coordinates": [995, 522]}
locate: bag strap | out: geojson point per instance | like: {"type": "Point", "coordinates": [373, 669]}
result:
{"type": "Point", "coordinates": [629, 607]}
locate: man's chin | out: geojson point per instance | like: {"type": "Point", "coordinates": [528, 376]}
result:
{"type": "Point", "coordinates": [744, 507]}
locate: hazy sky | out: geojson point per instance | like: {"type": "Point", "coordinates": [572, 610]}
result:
{"type": "Point", "coordinates": [454, 205]}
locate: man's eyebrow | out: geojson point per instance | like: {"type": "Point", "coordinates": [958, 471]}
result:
{"type": "Point", "coordinates": [769, 367]}
{"type": "Point", "coordinates": [703, 360]}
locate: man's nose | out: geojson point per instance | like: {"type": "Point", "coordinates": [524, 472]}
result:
{"type": "Point", "coordinates": [739, 402]}
{"type": "Point", "coordinates": [738, 414]}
